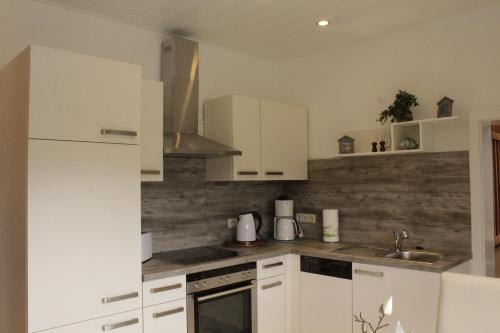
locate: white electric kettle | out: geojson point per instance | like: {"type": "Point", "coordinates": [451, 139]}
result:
{"type": "Point", "coordinates": [247, 230]}
{"type": "Point", "coordinates": [286, 229]}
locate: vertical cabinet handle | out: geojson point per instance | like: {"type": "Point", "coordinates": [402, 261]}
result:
{"type": "Point", "coordinates": [272, 285]}
{"type": "Point", "coordinates": [113, 299]}
{"type": "Point", "coordinates": [276, 264]}
{"type": "Point", "coordinates": [120, 325]}
{"type": "Point", "coordinates": [275, 173]}
{"type": "Point", "coordinates": [369, 273]}
{"type": "Point", "coordinates": [107, 131]}
{"type": "Point", "coordinates": [167, 313]}
{"type": "Point", "coordinates": [166, 288]}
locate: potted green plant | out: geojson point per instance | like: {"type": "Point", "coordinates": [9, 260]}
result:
{"type": "Point", "coordinates": [400, 110]}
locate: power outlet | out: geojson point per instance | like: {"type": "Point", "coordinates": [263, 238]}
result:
{"type": "Point", "coordinates": [232, 223]}
{"type": "Point", "coordinates": [306, 218]}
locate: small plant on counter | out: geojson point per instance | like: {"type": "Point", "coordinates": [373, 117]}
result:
{"type": "Point", "coordinates": [400, 110]}
{"type": "Point", "coordinates": [385, 310]}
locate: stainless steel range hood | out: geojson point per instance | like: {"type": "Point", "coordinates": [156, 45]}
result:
{"type": "Point", "coordinates": [180, 62]}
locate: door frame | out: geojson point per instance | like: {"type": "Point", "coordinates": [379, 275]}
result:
{"type": "Point", "coordinates": [481, 170]}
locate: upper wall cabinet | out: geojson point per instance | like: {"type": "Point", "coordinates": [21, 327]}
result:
{"type": "Point", "coordinates": [272, 138]}
{"type": "Point", "coordinates": [152, 131]}
{"type": "Point", "coordinates": [284, 141]}
{"type": "Point", "coordinates": [67, 100]}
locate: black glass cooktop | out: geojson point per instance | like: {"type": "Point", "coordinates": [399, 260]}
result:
{"type": "Point", "coordinates": [195, 255]}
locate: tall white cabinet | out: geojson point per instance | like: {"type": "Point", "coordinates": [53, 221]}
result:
{"type": "Point", "coordinates": [273, 139]}
{"type": "Point", "coordinates": [71, 124]}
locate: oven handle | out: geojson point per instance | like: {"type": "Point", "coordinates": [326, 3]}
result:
{"type": "Point", "coordinates": [224, 293]}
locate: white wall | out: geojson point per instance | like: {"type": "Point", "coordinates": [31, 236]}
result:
{"type": "Point", "coordinates": [24, 22]}
{"type": "Point", "coordinates": [346, 89]}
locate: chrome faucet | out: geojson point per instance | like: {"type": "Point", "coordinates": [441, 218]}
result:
{"type": "Point", "coordinates": [398, 239]}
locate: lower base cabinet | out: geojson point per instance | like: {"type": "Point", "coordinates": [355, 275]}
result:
{"type": "Point", "coordinates": [415, 296]}
{"type": "Point", "coordinates": [127, 322]}
{"type": "Point", "coordinates": [271, 305]}
{"type": "Point", "coordinates": [166, 318]}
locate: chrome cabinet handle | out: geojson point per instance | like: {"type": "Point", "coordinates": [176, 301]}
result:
{"type": "Point", "coordinates": [107, 131]}
{"type": "Point", "coordinates": [274, 173]}
{"type": "Point", "coordinates": [167, 313]}
{"type": "Point", "coordinates": [276, 264]}
{"type": "Point", "coordinates": [120, 325]}
{"type": "Point", "coordinates": [150, 172]}
{"type": "Point", "coordinates": [272, 285]}
{"type": "Point", "coordinates": [224, 293]}
{"type": "Point", "coordinates": [369, 273]}
{"type": "Point", "coordinates": [112, 299]}
{"type": "Point", "coordinates": [248, 173]}
{"type": "Point", "coordinates": [166, 288]}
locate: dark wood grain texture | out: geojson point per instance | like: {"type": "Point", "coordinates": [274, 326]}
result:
{"type": "Point", "coordinates": [426, 194]}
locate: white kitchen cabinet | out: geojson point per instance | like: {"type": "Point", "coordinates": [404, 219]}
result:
{"type": "Point", "coordinates": [284, 135]}
{"type": "Point", "coordinates": [70, 207]}
{"type": "Point", "coordinates": [77, 97]}
{"type": "Point", "coordinates": [83, 231]}
{"type": "Point", "coordinates": [415, 296]}
{"type": "Point", "coordinates": [271, 267]}
{"type": "Point", "coordinates": [272, 137]}
{"type": "Point", "coordinates": [234, 121]}
{"type": "Point", "coordinates": [152, 131]}
{"type": "Point", "coordinates": [128, 322]}
{"type": "Point", "coordinates": [326, 304]}
{"type": "Point", "coordinates": [166, 318]}
{"type": "Point", "coordinates": [164, 290]}
{"type": "Point", "coordinates": [271, 305]}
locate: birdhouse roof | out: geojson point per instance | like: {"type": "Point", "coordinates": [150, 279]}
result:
{"type": "Point", "coordinates": [444, 100]}
{"type": "Point", "coordinates": [346, 138]}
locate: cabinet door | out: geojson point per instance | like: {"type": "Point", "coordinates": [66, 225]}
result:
{"type": "Point", "coordinates": [84, 226]}
{"type": "Point", "coordinates": [284, 141]}
{"type": "Point", "coordinates": [246, 137]}
{"type": "Point", "coordinates": [152, 131]}
{"type": "Point", "coordinates": [166, 318]}
{"type": "Point", "coordinates": [234, 121]}
{"type": "Point", "coordinates": [271, 305]}
{"type": "Point", "coordinates": [415, 296]}
{"type": "Point", "coordinates": [128, 322]}
{"type": "Point", "coordinates": [75, 97]}
{"type": "Point", "coordinates": [326, 304]}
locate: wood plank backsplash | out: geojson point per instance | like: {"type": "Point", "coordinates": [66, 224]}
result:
{"type": "Point", "coordinates": [426, 194]}
{"type": "Point", "coordinates": [187, 211]}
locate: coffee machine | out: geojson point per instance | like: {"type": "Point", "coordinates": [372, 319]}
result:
{"type": "Point", "coordinates": [285, 226]}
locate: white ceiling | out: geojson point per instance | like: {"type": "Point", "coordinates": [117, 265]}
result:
{"type": "Point", "coordinates": [274, 29]}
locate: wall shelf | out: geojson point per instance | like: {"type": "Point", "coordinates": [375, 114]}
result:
{"type": "Point", "coordinates": [431, 135]}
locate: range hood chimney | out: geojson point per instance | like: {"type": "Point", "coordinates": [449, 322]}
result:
{"type": "Point", "coordinates": [180, 62]}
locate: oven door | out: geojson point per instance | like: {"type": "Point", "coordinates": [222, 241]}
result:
{"type": "Point", "coordinates": [231, 309]}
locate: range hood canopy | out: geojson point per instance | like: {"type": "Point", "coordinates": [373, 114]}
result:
{"type": "Point", "coordinates": [180, 62]}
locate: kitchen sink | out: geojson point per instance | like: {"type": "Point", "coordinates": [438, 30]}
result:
{"type": "Point", "coordinates": [420, 256]}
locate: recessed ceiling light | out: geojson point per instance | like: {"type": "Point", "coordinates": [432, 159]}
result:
{"type": "Point", "coordinates": [322, 23]}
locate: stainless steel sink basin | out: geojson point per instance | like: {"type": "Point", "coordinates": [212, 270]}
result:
{"type": "Point", "coordinates": [420, 256]}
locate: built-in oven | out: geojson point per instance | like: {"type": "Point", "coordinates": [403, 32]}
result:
{"type": "Point", "coordinates": [223, 300]}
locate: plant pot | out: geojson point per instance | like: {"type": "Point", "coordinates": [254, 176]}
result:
{"type": "Point", "coordinates": [407, 117]}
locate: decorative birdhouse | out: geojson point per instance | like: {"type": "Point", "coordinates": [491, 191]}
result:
{"type": "Point", "coordinates": [445, 107]}
{"type": "Point", "coordinates": [346, 145]}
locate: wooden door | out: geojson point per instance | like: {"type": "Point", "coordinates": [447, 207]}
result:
{"type": "Point", "coordinates": [77, 97]}
{"type": "Point", "coordinates": [284, 141]}
{"type": "Point", "coordinates": [84, 226]}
